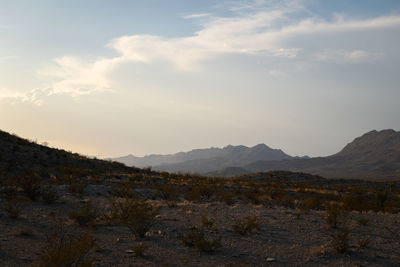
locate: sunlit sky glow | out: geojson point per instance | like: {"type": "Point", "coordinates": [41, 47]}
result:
{"type": "Point", "coordinates": [110, 78]}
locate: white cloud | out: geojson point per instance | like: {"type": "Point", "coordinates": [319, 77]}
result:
{"type": "Point", "coordinates": [252, 30]}
{"type": "Point", "coordinates": [34, 96]}
{"type": "Point", "coordinates": [197, 16]}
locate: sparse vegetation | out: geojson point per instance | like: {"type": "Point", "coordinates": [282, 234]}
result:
{"type": "Point", "coordinates": [140, 249]}
{"type": "Point", "coordinates": [67, 248]}
{"type": "Point", "coordinates": [136, 214]}
{"type": "Point", "coordinates": [49, 194]}
{"type": "Point", "coordinates": [333, 211]}
{"type": "Point", "coordinates": [12, 207]}
{"type": "Point", "coordinates": [247, 225]}
{"type": "Point", "coordinates": [85, 214]}
{"type": "Point", "coordinates": [195, 237]}
{"type": "Point", "coordinates": [203, 213]}
{"type": "Point", "coordinates": [340, 239]}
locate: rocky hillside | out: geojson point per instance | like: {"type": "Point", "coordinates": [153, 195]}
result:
{"type": "Point", "coordinates": [376, 154]}
{"type": "Point", "coordinates": [18, 155]}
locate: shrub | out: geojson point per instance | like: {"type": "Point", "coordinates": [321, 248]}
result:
{"type": "Point", "coordinates": [313, 203]}
{"type": "Point", "coordinates": [380, 199]}
{"type": "Point", "coordinates": [363, 243]}
{"type": "Point", "coordinates": [246, 226]}
{"type": "Point", "coordinates": [136, 214]}
{"type": "Point", "coordinates": [85, 214]}
{"type": "Point", "coordinates": [30, 182]}
{"type": "Point", "coordinates": [199, 192]}
{"type": "Point", "coordinates": [49, 194]}
{"type": "Point", "coordinates": [13, 206]}
{"type": "Point", "coordinates": [340, 239]}
{"type": "Point", "coordinates": [64, 248]}
{"type": "Point", "coordinates": [332, 213]}
{"type": "Point", "coordinates": [195, 237]}
{"type": "Point", "coordinates": [205, 222]}
{"type": "Point", "coordinates": [226, 196]}
{"type": "Point", "coordinates": [362, 221]}
{"type": "Point", "coordinates": [140, 249]}
{"type": "Point", "coordinates": [169, 192]}
{"type": "Point", "coordinates": [77, 188]}
{"type": "Point", "coordinates": [357, 202]}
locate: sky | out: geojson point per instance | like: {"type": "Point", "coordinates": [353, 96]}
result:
{"type": "Point", "coordinates": [110, 78]}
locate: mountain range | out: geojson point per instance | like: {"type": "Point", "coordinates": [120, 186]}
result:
{"type": "Point", "coordinates": [206, 160]}
{"type": "Point", "coordinates": [375, 154]}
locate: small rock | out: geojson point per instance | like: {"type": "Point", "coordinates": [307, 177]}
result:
{"type": "Point", "coordinates": [270, 259]}
{"type": "Point", "coordinates": [129, 251]}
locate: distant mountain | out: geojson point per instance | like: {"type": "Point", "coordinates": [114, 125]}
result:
{"type": "Point", "coordinates": [375, 154]}
{"type": "Point", "coordinates": [206, 160]}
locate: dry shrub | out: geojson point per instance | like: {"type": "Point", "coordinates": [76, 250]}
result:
{"type": "Point", "coordinates": [364, 242]}
{"type": "Point", "coordinates": [140, 249]}
{"type": "Point", "coordinates": [381, 198]}
{"type": "Point", "coordinates": [195, 237]}
{"type": "Point", "coordinates": [313, 203]}
{"type": "Point", "coordinates": [12, 207]}
{"type": "Point", "coordinates": [333, 211]}
{"type": "Point", "coordinates": [357, 202]}
{"type": "Point", "coordinates": [199, 192]}
{"type": "Point", "coordinates": [49, 194]}
{"type": "Point", "coordinates": [65, 248]}
{"type": "Point", "coordinates": [136, 214]}
{"type": "Point", "coordinates": [247, 225]}
{"type": "Point", "coordinates": [85, 214]}
{"type": "Point", "coordinates": [169, 192]}
{"type": "Point", "coordinates": [362, 221]}
{"type": "Point", "coordinates": [226, 196]}
{"type": "Point", "coordinates": [340, 239]}
{"type": "Point", "coordinates": [77, 187]}
{"type": "Point", "coordinates": [30, 182]}
{"type": "Point", "coordinates": [24, 232]}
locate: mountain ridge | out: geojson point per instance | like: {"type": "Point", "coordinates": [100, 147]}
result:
{"type": "Point", "coordinates": [200, 160]}
{"type": "Point", "coordinates": [375, 154]}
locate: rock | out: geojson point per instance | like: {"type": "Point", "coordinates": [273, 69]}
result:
{"type": "Point", "coordinates": [129, 251]}
{"type": "Point", "coordinates": [270, 259]}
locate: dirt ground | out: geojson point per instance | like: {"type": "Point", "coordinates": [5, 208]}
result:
{"type": "Point", "coordinates": [285, 237]}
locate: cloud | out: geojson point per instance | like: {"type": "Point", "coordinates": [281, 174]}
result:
{"type": "Point", "coordinates": [260, 28]}
{"type": "Point", "coordinates": [343, 56]}
{"type": "Point", "coordinates": [197, 16]}
{"type": "Point", "coordinates": [34, 96]}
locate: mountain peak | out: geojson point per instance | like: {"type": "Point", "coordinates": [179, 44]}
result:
{"type": "Point", "coordinates": [378, 142]}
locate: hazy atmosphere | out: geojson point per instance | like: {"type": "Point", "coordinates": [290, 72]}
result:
{"type": "Point", "coordinates": [145, 77]}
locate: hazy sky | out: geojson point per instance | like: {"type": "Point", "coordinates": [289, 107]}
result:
{"type": "Point", "coordinates": [109, 78]}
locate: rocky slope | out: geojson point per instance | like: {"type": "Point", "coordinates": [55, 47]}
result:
{"type": "Point", "coordinates": [375, 154]}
